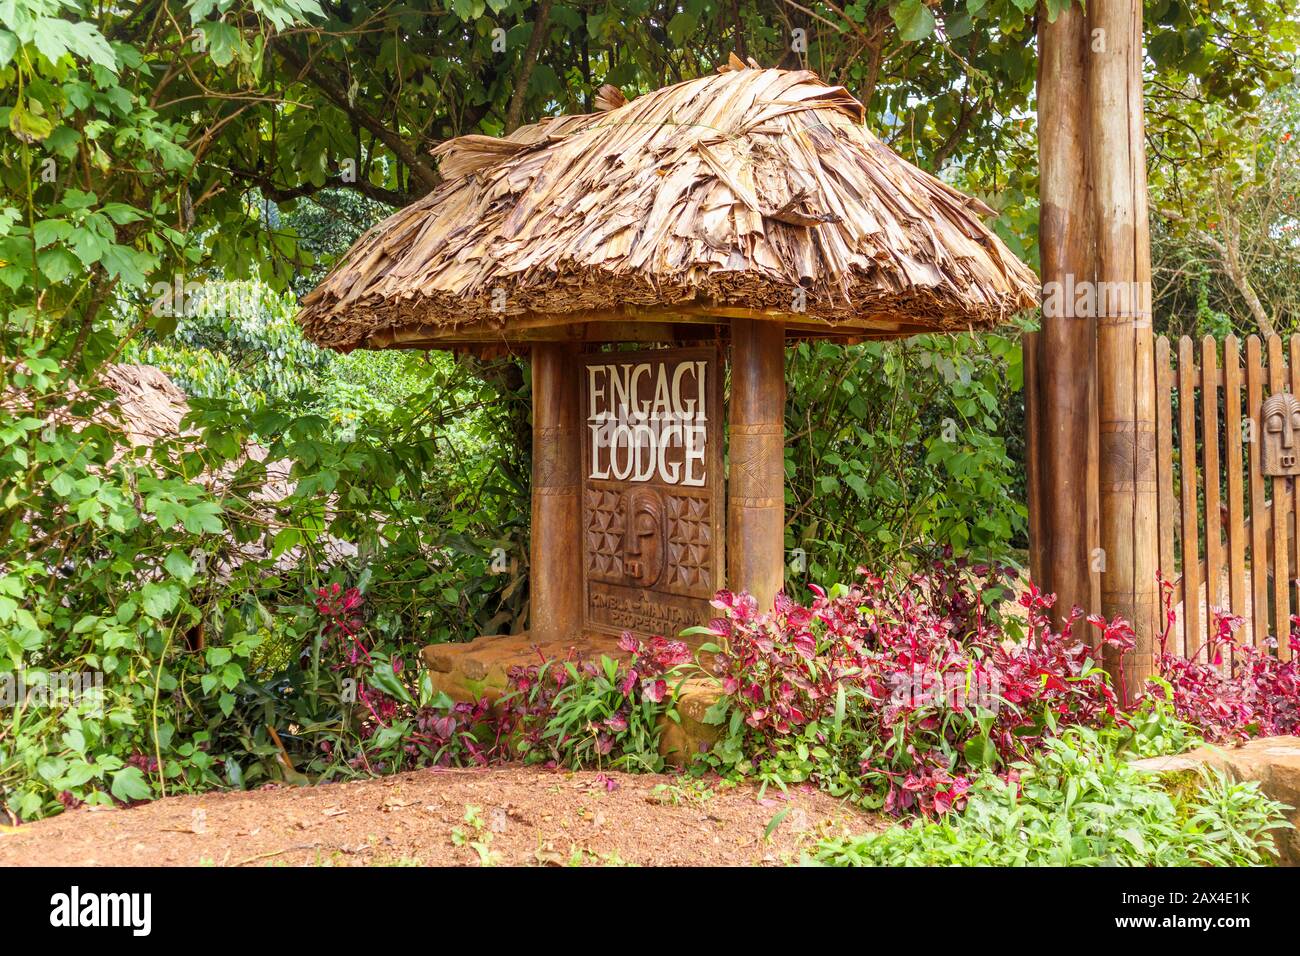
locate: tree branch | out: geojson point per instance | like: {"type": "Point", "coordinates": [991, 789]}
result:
{"type": "Point", "coordinates": [541, 22]}
{"type": "Point", "coordinates": [280, 194]}
{"type": "Point", "coordinates": [955, 137]}
{"type": "Point", "coordinates": [1230, 259]}
{"type": "Point", "coordinates": [420, 168]}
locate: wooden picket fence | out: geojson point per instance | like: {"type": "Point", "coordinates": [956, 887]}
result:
{"type": "Point", "coordinates": [1227, 531]}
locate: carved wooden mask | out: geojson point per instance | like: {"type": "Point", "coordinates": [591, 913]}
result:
{"type": "Point", "coordinates": [1280, 416]}
{"type": "Point", "coordinates": [643, 539]}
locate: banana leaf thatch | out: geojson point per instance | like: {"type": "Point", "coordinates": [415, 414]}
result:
{"type": "Point", "coordinates": [752, 192]}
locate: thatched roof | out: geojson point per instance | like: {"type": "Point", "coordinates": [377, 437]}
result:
{"type": "Point", "coordinates": [720, 196]}
{"type": "Point", "coordinates": [148, 407]}
{"type": "Point", "coordinates": [149, 404]}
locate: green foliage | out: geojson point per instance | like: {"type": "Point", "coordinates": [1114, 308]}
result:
{"type": "Point", "coordinates": [1078, 803]}
{"type": "Point", "coordinates": [1154, 730]}
{"type": "Point", "coordinates": [597, 719]}
{"type": "Point", "coordinates": [1224, 251]}
{"type": "Point", "coordinates": [237, 340]}
{"type": "Point", "coordinates": [891, 444]}
{"type": "Point", "coordinates": [125, 564]}
{"type": "Point", "coordinates": [225, 142]}
{"type": "Point", "coordinates": [180, 572]}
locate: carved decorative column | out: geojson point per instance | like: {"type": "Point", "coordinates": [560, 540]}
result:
{"type": "Point", "coordinates": [555, 552]}
{"type": "Point", "coordinates": [756, 481]}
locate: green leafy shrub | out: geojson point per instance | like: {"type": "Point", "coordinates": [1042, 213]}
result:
{"type": "Point", "coordinates": [605, 714]}
{"type": "Point", "coordinates": [1154, 728]}
{"type": "Point", "coordinates": [890, 444]}
{"type": "Point", "coordinates": [234, 340]}
{"type": "Point", "coordinates": [1078, 803]}
{"type": "Point", "coordinates": [168, 571]}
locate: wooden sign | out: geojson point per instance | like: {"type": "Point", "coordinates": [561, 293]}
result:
{"type": "Point", "coordinates": [1281, 446]}
{"type": "Point", "coordinates": [652, 486]}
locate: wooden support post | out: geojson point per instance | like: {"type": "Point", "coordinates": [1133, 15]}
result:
{"type": "Point", "coordinates": [1125, 369]}
{"type": "Point", "coordinates": [756, 483]}
{"type": "Point", "coordinates": [555, 550]}
{"type": "Point", "coordinates": [1063, 534]}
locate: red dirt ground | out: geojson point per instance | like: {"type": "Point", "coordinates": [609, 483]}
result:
{"type": "Point", "coordinates": [525, 816]}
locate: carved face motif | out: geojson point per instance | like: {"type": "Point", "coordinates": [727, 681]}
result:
{"type": "Point", "coordinates": [1281, 451]}
{"type": "Point", "coordinates": [643, 539]}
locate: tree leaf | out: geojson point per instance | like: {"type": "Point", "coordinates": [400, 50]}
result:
{"type": "Point", "coordinates": [913, 19]}
{"type": "Point", "coordinates": [178, 565]}
{"type": "Point", "coordinates": [223, 41]}
{"type": "Point", "coordinates": [158, 600]}
{"type": "Point", "coordinates": [775, 822]}
{"type": "Point", "coordinates": [129, 784]}
{"type": "Point", "coordinates": [27, 126]}
{"type": "Point", "coordinates": [8, 47]}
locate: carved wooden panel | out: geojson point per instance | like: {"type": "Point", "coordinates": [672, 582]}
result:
{"type": "Point", "coordinates": [652, 487]}
{"type": "Point", "coordinates": [1280, 416]}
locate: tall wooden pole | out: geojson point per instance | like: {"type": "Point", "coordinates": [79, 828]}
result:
{"type": "Point", "coordinates": [756, 482]}
{"type": "Point", "coordinates": [1125, 367]}
{"type": "Point", "coordinates": [1062, 420]}
{"type": "Point", "coordinates": [555, 552]}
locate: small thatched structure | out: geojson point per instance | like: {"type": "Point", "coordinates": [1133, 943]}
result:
{"type": "Point", "coordinates": [150, 405]}
{"type": "Point", "coordinates": [752, 206]}
{"type": "Point", "coordinates": [751, 193]}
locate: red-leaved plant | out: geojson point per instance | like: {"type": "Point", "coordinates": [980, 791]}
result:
{"type": "Point", "coordinates": [917, 678]}
{"type": "Point", "coordinates": [936, 690]}
{"type": "Point", "coordinates": [1230, 690]}
{"type": "Point", "coordinates": [340, 612]}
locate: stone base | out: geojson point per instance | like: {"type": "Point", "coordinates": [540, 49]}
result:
{"type": "Point", "coordinates": [480, 669]}
{"type": "Point", "coordinates": [1272, 761]}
